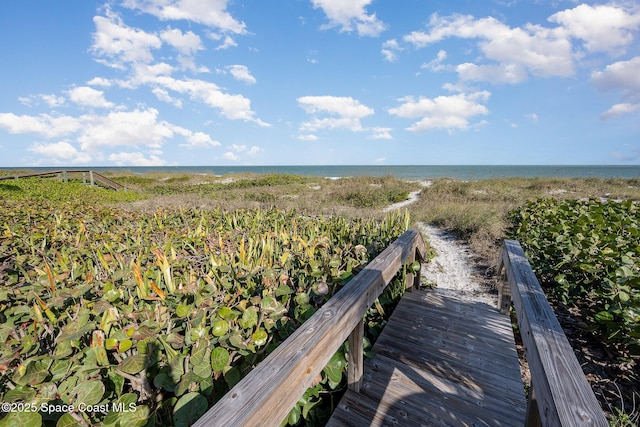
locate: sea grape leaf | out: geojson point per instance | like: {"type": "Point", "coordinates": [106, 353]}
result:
{"type": "Point", "coordinates": [231, 376]}
{"type": "Point", "coordinates": [37, 371]}
{"type": "Point", "coordinates": [249, 318]}
{"type": "Point", "coordinates": [135, 418]}
{"type": "Point", "coordinates": [20, 393]}
{"type": "Point", "coordinates": [133, 364]}
{"type": "Point", "coordinates": [22, 419]}
{"type": "Point", "coordinates": [162, 380]}
{"type": "Point", "coordinates": [219, 358]}
{"type": "Point", "coordinates": [259, 337]}
{"type": "Point", "coordinates": [189, 408]}
{"type": "Point", "coordinates": [66, 420]}
{"type": "Point", "coordinates": [336, 366]}
{"type": "Point", "coordinates": [89, 392]}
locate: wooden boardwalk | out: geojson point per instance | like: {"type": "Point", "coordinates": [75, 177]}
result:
{"type": "Point", "coordinates": [440, 361]}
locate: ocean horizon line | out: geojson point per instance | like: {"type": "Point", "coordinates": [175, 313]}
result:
{"type": "Point", "coordinates": [465, 172]}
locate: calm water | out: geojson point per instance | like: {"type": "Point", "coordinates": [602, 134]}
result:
{"type": "Point", "coordinates": [402, 172]}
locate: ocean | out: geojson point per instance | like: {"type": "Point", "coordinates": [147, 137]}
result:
{"type": "Point", "coordinates": [407, 172]}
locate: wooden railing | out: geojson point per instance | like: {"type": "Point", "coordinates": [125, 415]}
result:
{"type": "Point", "coordinates": [93, 177]}
{"type": "Point", "coordinates": [560, 394]}
{"type": "Point", "coordinates": [267, 394]}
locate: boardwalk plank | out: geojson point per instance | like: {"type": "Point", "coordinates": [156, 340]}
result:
{"type": "Point", "coordinates": [439, 361]}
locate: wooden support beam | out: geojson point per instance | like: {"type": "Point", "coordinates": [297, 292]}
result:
{"type": "Point", "coordinates": [355, 358]}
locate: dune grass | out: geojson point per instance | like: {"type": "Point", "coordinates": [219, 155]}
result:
{"type": "Point", "coordinates": [477, 211]}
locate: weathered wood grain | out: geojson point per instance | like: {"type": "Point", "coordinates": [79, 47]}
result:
{"type": "Point", "coordinates": [563, 395]}
{"type": "Point", "coordinates": [266, 395]}
{"type": "Point", "coordinates": [430, 370]}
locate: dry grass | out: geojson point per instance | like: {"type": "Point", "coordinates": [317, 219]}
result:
{"type": "Point", "coordinates": [350, 197]}
{"type": "Point", "coordinates": [478, 210]}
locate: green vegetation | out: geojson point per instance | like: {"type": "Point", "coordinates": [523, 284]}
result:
{"type": "Point", "coordinates": [478, 211]}
{"type": "Point", "coordinates": [165, 310]}
{"type": "Point", "coordinates": [587, 253]}
{"type": "Point", "coordinates": [77, 253]}
{"type": "Point", "coordinates": [41, 189]}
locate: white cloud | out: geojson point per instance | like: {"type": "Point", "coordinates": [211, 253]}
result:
{"type": "Point", "coordinates": [381, 133]}
{"type": "Point", "coordinates": [498, 73]}
{"type": "Point", "coordinates": [125, 128]}
{"type": "Point", "coordinates": [235, 150]}
{"type": "Point", "coordinates": [60, 152]}
{"type": "Point", "coordinates": [444, 112]}
{"type": "Point", "coordinates": [350, 14]}
{"type": "Point", "coordinates": [212, 13]}
{"type": "Point", "coordinates": [511, 55]}
{"type": "Point", "coordinates": [605, 28]}
{"type": "Point", "coordinates": [227, 43]}
{"type": "Point", "coordinates": [349, 112]}
{"type": "Point", "coordinates": [533, 117]}
{"type": "Point", "coordinates": [100, 81]}
{"type": "Point", "coordinates": [620, 109]}
{"type": "Point", "coordinates": [136, 159]}
{"type": "Point", "coordinates": [307, 137]}
{"type": "Point", "coordinates": [517, 52]}
{"type": "Point", "coordinates": [163, 95]}
{"type": "Point", "coordinates": [53, 100]}
{"type": "Point", "coordinates": [186, 43]}
{"type": "Point", "coordinates": [229, 155]}
{"type": "Point", "coordinates": [235, 107]}
{"type": "Point", "coordinates": [436, 63]}
{"type": "Point", "coordinates": [200, 140]}
{"type": "Point", "coordinates": [89, 97]}
{"type": "Point", "coordinates": [241, 73]}
{"type": "Point", "coordinates": [380, 160]}
{"type": "Point", "coordinates": [120, 43]}
{"type": "Point", "coordinates": [390, 50]}
{"type": "Point", "coordinates": [44, 124]}
{"type": "Point", "coordinates": [620, 76]}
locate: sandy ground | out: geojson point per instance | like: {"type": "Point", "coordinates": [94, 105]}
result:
{"type": "Point", "coordinates": [413, 197]}
{"type": "Point", "coordinates": [452, 270]}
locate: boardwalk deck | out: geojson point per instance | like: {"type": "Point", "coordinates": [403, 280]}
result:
{"type": "Point", "coordinates": [439, 361]}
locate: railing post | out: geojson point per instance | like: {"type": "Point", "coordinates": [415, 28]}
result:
{"type": "Point", "coordinates": [533, 413]}
{"type": "Point", "coordinates": [355, 358]}
{"type": "Point", "coordinates": [410, 279]}
{"type": "Point", "coordinates": [91, 178]}
{"type": "Point", "coordinates": [504, 287]}
{"type": "Point", "coordinates": [64, 176]}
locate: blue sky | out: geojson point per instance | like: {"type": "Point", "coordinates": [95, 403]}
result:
{"type": "Point", "coordinates": [306, 82]}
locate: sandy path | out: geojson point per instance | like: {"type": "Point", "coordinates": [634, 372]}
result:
{"type": "Point", "coordinates": [413, 197]}
{"type": "Point", "coordinates": [452, 269]}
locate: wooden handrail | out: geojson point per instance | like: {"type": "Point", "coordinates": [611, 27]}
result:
{"type": "Point", "coordinates": [560, 394]}
{"type": "Point", "coordinates": [93, 177]}
{"type": "Point", "coordinates": [267, 394]}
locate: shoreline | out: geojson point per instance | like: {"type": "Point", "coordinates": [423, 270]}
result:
{"type": "Point", "coordinates": [404, 172]}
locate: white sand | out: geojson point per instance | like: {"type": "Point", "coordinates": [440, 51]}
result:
{"type": "Point", "coordinates": [413, 197]}
{"type": "Point", "coordinates": [452, 269]}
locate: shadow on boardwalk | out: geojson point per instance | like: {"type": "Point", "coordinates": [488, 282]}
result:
{"type": "Point", "coordinates": [439, 361]}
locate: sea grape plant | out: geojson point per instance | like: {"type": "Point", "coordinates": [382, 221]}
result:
{"type": "Point", "coordinates": [148, 318]}
{"type": "Point", "coordinates": [587, 253]}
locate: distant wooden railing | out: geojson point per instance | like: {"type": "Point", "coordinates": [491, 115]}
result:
{"type": "Point", "coordinates": [94, 177]}
{"type": "Point", "coordinates": [268, 393]}
{"type": "Point", "coordinates": [560, 394]}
